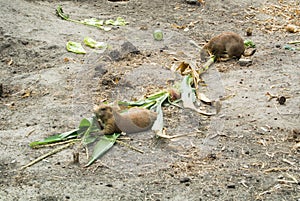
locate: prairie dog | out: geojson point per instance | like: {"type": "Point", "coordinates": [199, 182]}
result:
{"type": "Point", "coordinates": [132, 120]}
{"type": "Point", "coordinates": [226, 45]}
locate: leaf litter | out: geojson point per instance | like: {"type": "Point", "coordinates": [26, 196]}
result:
{"type": "Point", "coordinates": [88, 128]}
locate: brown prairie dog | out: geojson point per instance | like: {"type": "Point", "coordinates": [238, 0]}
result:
{"type": "Point", "coordinates": [132, 120]}
{"type": "Point", "coordinates": [226, 45]}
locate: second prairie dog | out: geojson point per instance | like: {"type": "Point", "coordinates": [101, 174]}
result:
{"type": "Point", "coordinates": [132, 120]}
{"type": "Point", "coordinates": [226, 45]}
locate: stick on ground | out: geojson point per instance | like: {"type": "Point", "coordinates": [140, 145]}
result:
{"type": "Point", "coordinates": [54, 151]}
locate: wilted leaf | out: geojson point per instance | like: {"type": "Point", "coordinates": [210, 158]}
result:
{"type": "Point", "coordinates": [188, 96]}
{"type": "Point", "coordinates": [93, 22]}
{"type": "Point", "coordinates": [204, 98]}
{"type": "Point", "coordinates": [118, 22]}
{"type": "Point", "coordinates": [75, 47]}
{"type": "Point", "coordinates": [94, 44]}
{"type": "Point", "coordinates": [182, 67]}
{"type": "Point", "coordinates": [102, 146]}
{"type": "Point", "coordinates": [159, 123]}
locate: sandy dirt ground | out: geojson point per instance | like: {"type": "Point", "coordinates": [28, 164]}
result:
{"type": "Point", "coordinates": [249, 151]}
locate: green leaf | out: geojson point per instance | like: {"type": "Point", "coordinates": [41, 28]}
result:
{"type": "Point", "coordinates": [92, 128]}
{"type": "Point", "coordinates": [94, 44]}
{"type": "Point", "coordinates": [68, 133]}
{"type": "Point", "coordinates": [85, 122]}
{"type": "Point", "coordinates": [84, 125]}
{"type": "Point", "coordinates": [102, 146]}
{"type": "Point", "coordinates": [157, 95]}
{"type": "Point", "coordinates": [139, 103]}
{"type": "Point", "coordinates": [56, 138]}
{"type": "Point", "coordinates": [75, 47]}
{"type": "Point", "coordinates": [249, 43]}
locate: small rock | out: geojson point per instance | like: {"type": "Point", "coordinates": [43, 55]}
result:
{"type": "Point", "coordinates": [245, 62]}
{"type": "Point", "coordinates": [115, 55]}
{"type": "Point", "coordinates": [127, 47]}
{"type": "Point", "coordinates": [249, 31]}
{"type": "Point", "coordinates": [184, 180]}
{"type": "Point", "coordinates": [291, 28]}
{"type": "Point", "coordinates": [100, 70]}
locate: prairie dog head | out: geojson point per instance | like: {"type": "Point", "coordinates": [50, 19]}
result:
{"type": "Point", "coordinates": [103, 112]}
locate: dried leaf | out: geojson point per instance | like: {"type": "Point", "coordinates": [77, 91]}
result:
{"type": "Point", "coordinates": [26, 94]}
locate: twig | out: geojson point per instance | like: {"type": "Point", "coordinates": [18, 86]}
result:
{"type": "Point", "coordinates": [29, 133]}
{"type": "Point", "coordinates": [289, 162]}
{"type": "Point", "coordinates": [280, 169]}
{"type": "Point", "coordinates": [294, 42]}
{"type": "Point", "coordinates": [46, 155]}
{"type": "Point", "coordinates": [271, 96]}
{"type": "Point", "coordinates": [277, 186]}
{"type": "Point", "coordinates": [169, 137]}
{"type": "Point", "coordinates": [129, 146]}
{"type": "Point", "coordinates": [292, 177]}
{"type": "Point", "coordinates": [286, 181]}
